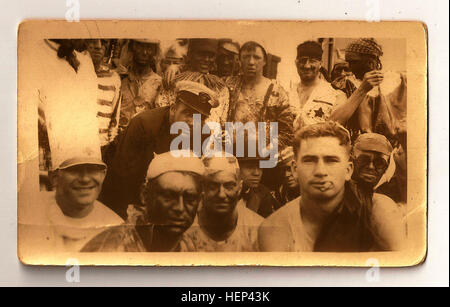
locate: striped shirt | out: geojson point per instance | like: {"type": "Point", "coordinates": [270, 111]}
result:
{"type": "Point", "coordinates": [107, 98]}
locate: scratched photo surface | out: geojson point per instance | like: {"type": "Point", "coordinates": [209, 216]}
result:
{"type": "Point", "coordinates": [281, 143]}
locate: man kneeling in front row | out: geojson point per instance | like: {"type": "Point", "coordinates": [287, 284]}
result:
{"type": "Point", "coordinates": [327, 217]}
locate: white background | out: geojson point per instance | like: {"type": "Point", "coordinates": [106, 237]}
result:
{"type": "Point", "coordinates": [434, 13]}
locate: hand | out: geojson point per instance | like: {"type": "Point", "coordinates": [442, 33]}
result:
{"type": "Point", "coordinates": [371, 79]}
{"type": "Point", "coordinates": [170, 73]}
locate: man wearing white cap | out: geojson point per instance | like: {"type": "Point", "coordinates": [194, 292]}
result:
{"type": "Point", "coordinates": [227, 58]}
{"type": "Point", "coordinates": [141, 86]}
{"type": "Point", "coordinates": [149, 133]}
{"type": "Point", "coordinates": [71, 216]}
{"type": "Point", "coordinates": [223, 224]}
{"type": "Point", "coordinates": [171, 195]}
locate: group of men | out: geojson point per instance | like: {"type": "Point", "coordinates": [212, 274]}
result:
{"type": "Point", "coordinates": [119, 185]}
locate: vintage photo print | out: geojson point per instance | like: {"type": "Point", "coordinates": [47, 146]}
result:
{"type": "Point", "coordinates": [265, 143]}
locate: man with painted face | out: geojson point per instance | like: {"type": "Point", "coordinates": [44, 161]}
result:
{"type": "Point", "coordinates": [200, 62]}
{"type": "Point", "coordinates": [141, 86]}
{"type": "Point", "coordinates": [328, 216]}
{"type": "Point", "coordinates": [149, 133]}
{"type": "Point", "coordinates": [223, 225]}
{"type": "Point", "coordinates": [171, 195]}
{"type": "Point", "coordinates": [313, 98]}
{"type": "Point", "coordinates": [289, 189]}
{"type": "Point", "coordinates": [227, 58]}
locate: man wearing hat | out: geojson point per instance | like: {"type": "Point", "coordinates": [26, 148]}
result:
{"type": "Point", "coordinates": [149, 133]}
{"type": "Point", "coordinates": [330, 215]}
{"type": "Point", "coordinates": [289, 188]}
{"type": "Point", "coordinates": [170, 194]}
{"type": "Point", "coordinates": [227, 61]}
{"type": "Point", "coordinates": [172, 63]}
{"type": "Point", "coordinates": [200, 62]}
{"type": "Point", "coordinates": [222, 224]}
{"type": "Point", "coordinates": [141, 86]}
{"type": "Point", "coordinates": [376, 100]}
{"type": "Point", "coordinates": [71, 215]}
{"type": "Point", "coordinates": [254, 195]}
{"type": "Point", "coordinates": [313, 99]}
{"type": "Point", "coordinates": [374, 168]}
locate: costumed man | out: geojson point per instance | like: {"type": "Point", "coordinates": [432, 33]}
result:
{"type": "Point", "coordinates": [108, 98]}
{"type": "Point", "coordinates": [328, 217]}
{"type": "Point", "coordinates": [142, 84]}
{"type": "Point", "coordinates": [171, 195]}
{"type": "Point", "coordinates": [289, 188]}
{"type": "Point", "coordinates": [376, 100]}
{"type": "Point", "coordinates": [375, 167]}
{"type": "Point", "coordinates": [254, 194]}
{"type": "Point", "coordinates": [172, 63]}
{"type": "Point", "coordinates": [227, 61]}
{"type": "Point", "coordinates": [149, 133]}
{"type": "Point", "coordinates": [71, 216]}
{"type": "Point", "coordinates": [222, 225]}
{"type": "Point", "coordinates": [200, 63]}
{"type": "Point", "coordinates": [313, 99]}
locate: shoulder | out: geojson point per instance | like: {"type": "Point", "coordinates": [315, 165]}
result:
{"type": "Point", "coordinates": [248, 217]}
{"type": "Point", "coordinates": [282, 215]}
{"type": "Point", "coordinates": [115, 239]}
{"type": "Point", "coordinates": [108, 216]}
{"type": "Point", "coordinates": [150, 116]}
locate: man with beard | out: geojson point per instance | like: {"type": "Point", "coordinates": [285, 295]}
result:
{"type": "Point", "coordinates": [200, 62]}
{"type": "Point", "coordinates": [141, 86]}
{"type": "Point", "coordinates": [375, 102]}
{"type": "Point", "coordinates": [313, 99]}
{"type": "Point", "coordinates": [223, 225]}
{"type": "Point", "coordinates": [149, 133]}
{"type": "Point", "coordinates": [171, 194]}
{"type": "Point", "coordinates": [108, 98]}
{"type": "Point", "coordinates": [328, 216]}
{"type": "Point", "coordinates": [227, 58]}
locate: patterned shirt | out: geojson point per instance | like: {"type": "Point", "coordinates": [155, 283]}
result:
{"type": "Point", "coordinates": [108, 98]}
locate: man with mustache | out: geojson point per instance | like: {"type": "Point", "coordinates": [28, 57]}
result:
{"type": "Point", "coordinates": [313, 99]}
{"type": "Point", "coordinates": [224, 225]}
{"type": "Point", "coordinates": [149, 133]}
{"type": "Point", "coordinates": [328, 216]}
{"type": "Point", "coordinates": [108, 95]}
{"type": "Point", "coordinates": [171, 194]}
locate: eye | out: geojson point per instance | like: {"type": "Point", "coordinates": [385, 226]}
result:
{"type": "Point", "coordinates": [229, 185]}
{"type": "Point", "coordinates": [332, 160]}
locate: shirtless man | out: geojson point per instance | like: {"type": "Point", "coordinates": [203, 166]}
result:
{"type": "Point", "coordinates": [328, 217]}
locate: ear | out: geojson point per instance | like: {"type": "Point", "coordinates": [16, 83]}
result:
{"type": "Point", "coordinates": [240, 185]}
{"type": "Point", "coordinates": [350, 168]}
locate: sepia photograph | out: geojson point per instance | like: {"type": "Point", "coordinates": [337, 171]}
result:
{"type": "Point", "coordinates": [224, 143]}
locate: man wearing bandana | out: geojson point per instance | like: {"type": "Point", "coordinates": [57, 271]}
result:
{"type": "Point", "coordinates": [376, 100]}
{"type": "Point", "coordinates": [329, 216]}
{"type": "Point", "coordinates": [313, 99]}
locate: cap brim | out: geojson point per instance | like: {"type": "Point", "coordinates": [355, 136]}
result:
{"type": "Point", "coordinates": [193, 107]}
{"type": "Point", "coordinates": [79, 161]}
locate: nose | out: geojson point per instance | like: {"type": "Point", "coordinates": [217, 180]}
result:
{"type": "Point", "coordinates": [83, 175]}
{"type": "Point", "coordinates": [222, 193]}
{"type": "Point", "coordinates": [97, 44]}
{"type": "Point", "coordinates": [320, 170]}
{"type": "Point", "coordinates": [179, 204]}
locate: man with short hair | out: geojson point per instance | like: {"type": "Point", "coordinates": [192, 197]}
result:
{"type": "Point", "coordinates": [328, 217]}
{"type": "Point", "coordinates": [149, 133]}
{"type": "Point", "coordinates": [255, 98]}
{"type": "Point", "coordinates": [141, 86]}
{"type": "Point", "coordinates": [313, 99]}
{"type": "Point", "coordinates": [171, 194]}
{"type": "Point", "coordinates": [223, 225]}
{"type": "Point", "coordinates": [108, 95]}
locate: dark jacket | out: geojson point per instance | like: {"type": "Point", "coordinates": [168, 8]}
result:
{"type": "Point", "coordinates": [147, 133]}
{"type": "Point", "coordinates": [260, 200]}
